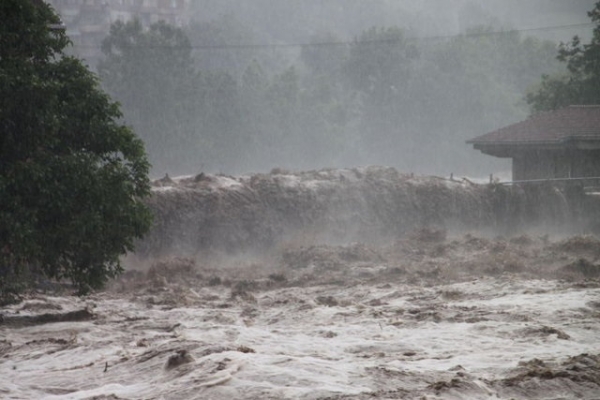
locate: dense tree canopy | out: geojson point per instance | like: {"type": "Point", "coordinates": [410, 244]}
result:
{"type": "Point", "coordinates": [469, 85]}
{"type": "Point", "coordinates": [581, 84]}
{"type": "Point", "coordinates": [384, 97]}
{"type": "Point", "coordinates": [183, 116]}
{"type": "Point", "coordinates": [71, 176]}
{"type": "Point", "coordinates": [151, 74]}
{"type": "Point", "coordinates": [379, 70]}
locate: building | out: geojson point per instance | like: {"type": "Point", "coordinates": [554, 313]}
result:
{"type": "Point", "coordinates": [563, 143]}
{"type": "Point", "coordinates": [88, 21]}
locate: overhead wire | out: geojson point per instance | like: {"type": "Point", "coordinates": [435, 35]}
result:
{"type": "Point", "coordinates": [347, 43]}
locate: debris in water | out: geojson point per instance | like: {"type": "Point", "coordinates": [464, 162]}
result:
{"type": "Point", "coordinates": [180, 358]}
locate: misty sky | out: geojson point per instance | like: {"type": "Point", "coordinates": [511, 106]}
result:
{"type": "Point", "coordinates": [293, 20]}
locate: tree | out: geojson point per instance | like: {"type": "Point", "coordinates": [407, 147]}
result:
{"type": "Point", "coordinates": [419, 100]}
{"type": "Point", "coordinates": [71, 176]}
{"type": "Point", "coordinates": [212, 40]}
{"type": "Point", "coordinates": [471, 84]}
{"type": "Point", "coordinates": [379, 60]}
{"type": "Point", "coordinates": [324, 54]}
{"type": "Point", "coordinates": [379, 70]}
{"type": "Point", "coordinates": [151, 73]}
{"type": "Point", "coordinates": [581, 85]}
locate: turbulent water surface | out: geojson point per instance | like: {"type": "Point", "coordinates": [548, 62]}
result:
{"type": "Point", "coordinates": [425, 317]}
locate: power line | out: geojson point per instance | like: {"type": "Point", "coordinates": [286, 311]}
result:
{"type": "Point", "coordinates": [347, 43]}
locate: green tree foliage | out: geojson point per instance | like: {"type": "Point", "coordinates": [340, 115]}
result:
{"type": "Point", "coordinates": [581, 84]}
{"type": "Point", "coordinates": [378, 69]}
{"type": "Point", "coordinates": [420, 100]}
{"type": "Point", "coordinates": [379, 60]}
{"type": "Point", "coordinates": [325, 54]}
{"type": "Point", "coordinates": [472, 84]}
{"type": "Point", "coordinates": [70, 175]}
{"type": "Point", "coordinates": [219, 122]}
{"type": "Point", "coordinates": [211, 39]}
{"type": "Point", "coordinates": [385, 98]}
{"type": "Point", "coordinates": [151, 73]}
{"type": "Point", "coordinates": [285, 122]}
{"type": "Point", "coordinates": [184, 116]}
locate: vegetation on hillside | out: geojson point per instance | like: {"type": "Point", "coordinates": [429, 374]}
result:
{"type": "Point", "coordinates": [581, 83]}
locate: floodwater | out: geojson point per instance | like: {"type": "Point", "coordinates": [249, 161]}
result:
{"type": "Point", "coordinates": [424, 318]}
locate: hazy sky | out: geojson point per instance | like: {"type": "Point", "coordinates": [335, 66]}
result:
{"type": "Point", "coordinates": [293, 20]}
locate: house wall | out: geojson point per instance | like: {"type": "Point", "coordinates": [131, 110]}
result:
{"type": "Point", "coordinates": [548, 164]}
{"type": "Point", "coordinates": [533, 165]}
{"type": "Point", "coordinates": [587, 163]}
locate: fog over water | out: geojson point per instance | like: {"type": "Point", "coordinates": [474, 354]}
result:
{"type": "Point", "coordinates": [266, 84]}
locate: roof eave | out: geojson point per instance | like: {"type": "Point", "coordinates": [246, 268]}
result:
{"type": "Point", "coordinates": [509, 148]}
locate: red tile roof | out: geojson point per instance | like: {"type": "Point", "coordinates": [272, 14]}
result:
{"type": "Point", "coordinates": [573, 122]}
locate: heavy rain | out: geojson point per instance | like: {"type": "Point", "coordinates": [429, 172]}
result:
{"type": "Point", "coordinates": [350, 200]}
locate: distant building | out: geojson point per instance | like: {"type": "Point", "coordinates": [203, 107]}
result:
{"type": "Point", "coordinates": [563, 143]}
{"type": "Point", "coordinates": [88, 21]}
